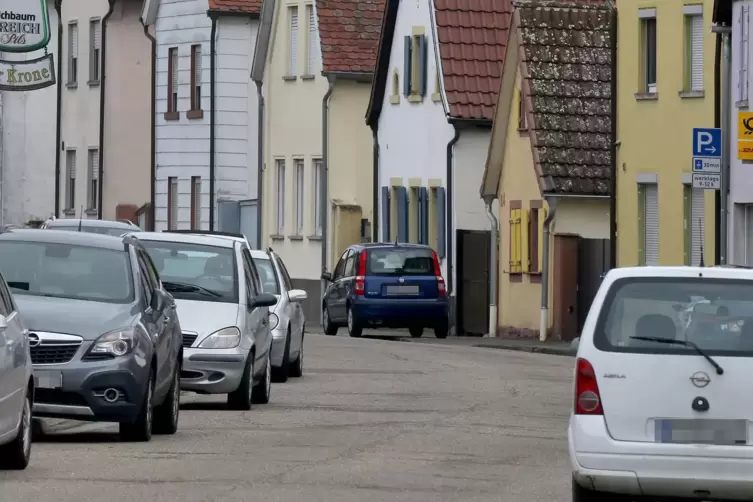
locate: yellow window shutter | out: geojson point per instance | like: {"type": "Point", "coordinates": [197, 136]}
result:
{"type": "Point", "coordinates": [542, 217]}
{"type": "Point", "coordinates": [514, 241]}
{"type": "Point", "coordinates": [525, 257]}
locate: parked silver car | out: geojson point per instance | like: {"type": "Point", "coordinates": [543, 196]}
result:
{"type": "Point", "coordinates": [106, 227]}
{"type": "Point", "coordinates": [16, 385]}
{"type": "Point", "coordinates": [286, 318]}
{"type": "Point", "coordinates": [223, 311]}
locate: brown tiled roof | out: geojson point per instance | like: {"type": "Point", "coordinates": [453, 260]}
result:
{"type": "Point", "coordinates": [241, 6]}
{"type": "Point", "coordinates": [472, 37]}
{"type": "Point", "coordinates": [349, 32]}
{"type": "Point", "coordinates": [566, 64]}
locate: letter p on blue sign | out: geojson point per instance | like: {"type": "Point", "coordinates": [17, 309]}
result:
{"type": "Point", "coordinates": [707, 142]}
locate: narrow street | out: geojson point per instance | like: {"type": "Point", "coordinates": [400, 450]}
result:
{"type": "Point", "coordinates": [371, 420]}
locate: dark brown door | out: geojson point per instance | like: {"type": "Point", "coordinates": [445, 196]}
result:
{"type": "Point", "coordinates": [565, 322]}
{"type": "Point", "coordinates": [473, 282]}
{"type": "Point", "coordinates": [593, 263]}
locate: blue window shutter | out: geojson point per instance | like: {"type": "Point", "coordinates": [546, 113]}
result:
{"type": "Point", "coordinates": [441, 222]}
{"type": "Point", "coordinates": [408, 49]}
{"type": "Point", "coordinates": [423, 47]}
{"type": "Point", "coordinates": [229, 216]}
{"type": "Point", "coordinates": [385, 214]}
{"type": "Point", "coordinates": [402, 214]}
{"type": "Point", "coordinates": [424, 212]}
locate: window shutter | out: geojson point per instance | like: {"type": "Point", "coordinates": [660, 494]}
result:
{"type": "Point", "coordinates": [744, 53]}
{"type": "Point", "coordinates": [386, 214]}
{"type": "Point", "coordinates": [514, 241]}
{"type": "Point", "coordinates": [174, 63]}
{"type": "Point", "coordinates": [423, 231]}
{"type": "Point", "coordinates": [94, 165]}
{"type": "Point", "coordinates": [525, 264]}
{"type": "Point", "coordinates": [697, 224]}
{"type": "Point", "coordinates": [293, 40]}
{"type": "Point", "coordinates": [696, 53]}
{"type": "Point", "coordinates": [197, 66]}
{"type": "Point", "coordinates": [441, 241]}
{"type": "Point", "coordinates": [313, 42]}
{"type": "Point", "coordinates": [542, 216]}
{"type": "Point", "coordinates": [651, 224]}
{"type": "Point", "coordinates": [407, 49]}
{"type": "Point", "coordinates": [173, 203]}
{"type": "Point", "coordinates": [71, 164]}
{"type": "Point", "coordinates": [197, 202]}
{"type": "Point", "coordinates": [423, 48]}
{"type": "Point", "coordinates": [402, 214]}
{"type": "Point", "coordinates": [74, 40]}
{"type": "Point", "coordinates": [97, 34]}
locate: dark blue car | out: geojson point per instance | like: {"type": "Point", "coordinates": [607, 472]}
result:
{"type": "Point", "coordinates": [386, 285]}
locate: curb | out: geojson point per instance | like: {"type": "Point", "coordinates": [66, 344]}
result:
{"type": "Point", "coordinates": [531, 349]}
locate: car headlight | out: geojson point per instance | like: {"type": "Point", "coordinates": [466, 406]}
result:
{"type": "Point", "coordinates": [226, 338]}
{"type": "Point", "coordinates": [115, 343]}
{"type": "Point", "coordinates": [273, 321]}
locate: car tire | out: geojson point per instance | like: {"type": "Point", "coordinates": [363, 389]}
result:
{"type": "Point", "coordinates": [296, 368]}
{"type": "Point", "coordinates": [166, 415]}
{"type": "Point", "coordinates": [441, 331]}
{"type": "Point", "coordinates": [263, 390]}
{"type": "Point", "coordinates": [416, 332]}
{"type": "Point", "coordinates": [16, 454]}
{"type": "Point", "coordinates": [355, 329]}
{"type": "Point", "coordinates": [280, 375]}
{"type": "Point", "coordinates": [141, 429]}
{"type": "Point", "coordinates": [329, 328]}
{"type": "Point", "coordinates": [581, 494]}
{"type": "Point", "coordinates": [240, 398]}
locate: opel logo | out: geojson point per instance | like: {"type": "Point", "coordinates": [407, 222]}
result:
{"type": "Point", "coordinates": [401, 280]}
{"type": "Point", "coordinates": [700, 379]}
{"type": "Point", "coordinates": [34, 340]}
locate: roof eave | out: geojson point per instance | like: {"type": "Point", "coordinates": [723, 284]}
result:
{"type": "Point", "coordinates": [462, 121]}
{"type": "Point", "coordinates": [262, 40]}
{"type": "Point", "coordinates": [215, 13]}
{"type": "Point", "coordinates": [149, 12]}
{"type": "Point", "coordinates": [357, 76]}
{"type": "Point", "coordinates": [381, 69]}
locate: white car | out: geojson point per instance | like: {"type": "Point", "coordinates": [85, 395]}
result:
{"type": "Point", "coordinates": [663, 409]}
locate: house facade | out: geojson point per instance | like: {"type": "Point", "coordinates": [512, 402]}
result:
{"type": "Point", "coordinates": [549, 167]}
{"type": "Point", "coordinates": [206, 114]}
{"type": "Point", "coordinates": [665, 89]}
{"type": "Point", "coordinates": [430, 111]}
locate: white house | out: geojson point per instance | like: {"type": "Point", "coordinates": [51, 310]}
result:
{"type": "Point", "coordinates": [206, 114]}
{"type": "Point", "coordinates": [432, 118]}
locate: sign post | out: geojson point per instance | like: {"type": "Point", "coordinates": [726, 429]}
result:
{"type": "Point", "coordinates": [707, 166]}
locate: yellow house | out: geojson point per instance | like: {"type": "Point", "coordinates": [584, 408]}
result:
{"type": "Point", "coordinates": [665, 89]}
{"type": "Point", "coordinates": [549, 164]}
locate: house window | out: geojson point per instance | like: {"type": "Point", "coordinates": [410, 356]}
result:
{"type": "Point", "coordinates": [648, 223]}
{"type": "Point", "coordinates": [313, 42]}
{"type": "Point", "coordinates": [413, 222]}
{"type": "Point", "coordinates": [196, 78]}
{"type": "Point", "coordinates": [536, 219]}
{"type": "Point", "coordinates": [648, 49]}
{"type": "Point", "coordinates": [694, 224]}
{"type": "Point", "coordinates": [280, 197]}
{"type": "Point", "coordinates": [299, 188]}
{"type": "Point", "coordinates": [318, 187]}
{"type": "Point", "coordinates": [95, 45]}
{"type": "Point", "coordinates": [693, 47]}
{"type": "Point", "coordinates": [293, 41]}
{"type": "Point", "coordinates": [518, 238]}
{"type": "Point", "coordinates": [414, 64]}
{"type": "Point", "coordinates": [522, 124]}
{"type": "Point", "coordinates": [72, 53]}
{"type": "Point", "coordinates": [196, 202]}
{"type": "Point", "coordinates": [744, 30]}
{"type": "Point", "coordinates": [172, 203]}
{"type": "Point", "coordinates": [422, 215]}
{"type": "Point", "coordinates": [743, 234]}
{"type": "Point", "coordinates": [93, 178]}
{"type": "Point", "coordinates": [395, 96]}
{"type": "Point", "coordinates": [172, 80]}
{"type": "Point", "coordinates": [70, 179]}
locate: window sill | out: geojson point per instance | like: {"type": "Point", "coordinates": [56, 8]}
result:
{"type": "Point", "coordinates": [523, 131]}
{"type": "Point", "coordinates": [743, 103]}
{"type": "Point", "coordinates": [69, 212]}
{"type": "Point", "coordinates": [415, 98]}
{"type": "Point", "coordinates": [91, 212]}
{"type": "Point", "coordinates": [277, 237]}
{"type": "Point", "coordinates": [692, 94]}
{"type": "Point", "coordinates": [516, 276]}
{"type": "Point", "coordinates": [534, 277]}
{"type": "Point", "coordinates": [646, 96]}
{"type": "Point", "coordinates": [72, 85]}
{"type": "Point", "coordinates": [289, 78]}
{"type": "Point", "coordinates": [172, 115]}
{"type": "Point", "coordinates": [295, 237]}
{"type": "Point", "coordinates": [436, 97]}
{"type": "Point", "coordinates": [93, 83]}
{"type": "Point", "coordinates": [395, 99]}
{"type": "Point", "coordinates": [308, 77]}
{"type": "Point", "coordinates": [195, 114]}
{"type": "Point", "coordinates": [315, 237]}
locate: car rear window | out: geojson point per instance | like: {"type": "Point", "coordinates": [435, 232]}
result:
{"type": "Point", "coordinates": [400, 261]}
{"type": "Point", "coordinates": [715, 314]}
{"type": "Point", "coordinates": [267, 275]}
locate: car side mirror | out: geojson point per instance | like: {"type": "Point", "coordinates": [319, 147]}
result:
{"type": "Point", "coordinates": [158, 302]}
{"type": "Point", "coordinates": [297, 295]}
{"type": "Point", "coordinates": [327, 276]}
{"type": "Point", "coordinates": [263, 300]}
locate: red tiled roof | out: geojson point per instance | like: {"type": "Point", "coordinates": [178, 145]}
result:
{"type": "Point", "coordinates": [472, 38]}
{"type": "Point", "coordinates": [242, 6]}
{"type": "Point", "coordinates": [349, 32]}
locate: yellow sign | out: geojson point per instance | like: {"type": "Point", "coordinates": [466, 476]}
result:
{"type": "Point", "coordinates": [745, 135]}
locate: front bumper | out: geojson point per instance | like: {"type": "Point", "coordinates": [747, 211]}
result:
{"type": "Point", "coordinates": [212, 371]}
{"type": "Point", "coordinates": [702, 472]}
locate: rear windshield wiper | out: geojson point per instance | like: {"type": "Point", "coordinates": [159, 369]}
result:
{"type": "Point", "coordinates": [686, 343]}
{"type": "Point", "coordinates": [182, 287]}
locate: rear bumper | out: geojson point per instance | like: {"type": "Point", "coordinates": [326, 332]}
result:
{"type": "Point", "coordinates": [402, 313]}
{"type": "Point", "coordinates": [659, 470]}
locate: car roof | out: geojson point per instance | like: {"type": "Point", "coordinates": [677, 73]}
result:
{"type": "Point", "coordinates": [259, 254]}
{"type": "Point", "coordinates": [84, 222]}
{"type": "Point", "coordinates": [64, 237]}
{"type": "Point", "coordinates": [374, 245]}
{"type": "Point", "coordinates": [680, 272]}
{"type": "Point", "coordinates": [207, 240]}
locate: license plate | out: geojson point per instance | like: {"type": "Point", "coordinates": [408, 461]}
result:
{"type": "Point", "coordinates": [712, 431]}
{"type": "Point", "coordinates": [48, 379]}
{"type": "Point", "coordinates": [402, 290]}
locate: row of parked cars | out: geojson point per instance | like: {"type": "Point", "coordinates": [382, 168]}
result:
{"type": "Point", "coordinates": [103, 322]}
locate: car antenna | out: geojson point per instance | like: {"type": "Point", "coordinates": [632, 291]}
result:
{"type": "Point", "coordinates": [80, 214]}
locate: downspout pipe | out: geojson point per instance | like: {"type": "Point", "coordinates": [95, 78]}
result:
{"type": "Point", "coordinates": [212, 99]}
{"type": "Point", "coordinates": [152, 124]}
{"type": "Point", "coordinates": [375, 182]}
{"type": "Point", "coordinates": [613, 147]}
{"type": "Point", "coordinates": [545, 271]}
{"type": "Point", "coordinates": [450, 238]}
{"type": "Point", "coordinates": [324, 189]}
{"type": "Point", "coordinates": [102, 89]}
{"type": "Point", "coordinates": [59, 111]}
{"type": "Point", "coordinates": [492, 267]}
{"type": "Point", "coordinates": [259, 163]}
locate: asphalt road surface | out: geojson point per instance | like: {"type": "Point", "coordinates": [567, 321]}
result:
{"type": "Point", "coordinates": [371, 420]}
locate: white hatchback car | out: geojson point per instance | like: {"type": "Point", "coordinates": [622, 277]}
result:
{"type": "Point", "coordinates": [662, 403]}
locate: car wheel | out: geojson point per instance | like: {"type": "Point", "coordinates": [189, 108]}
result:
{"type": "Point", "coordinates": [581, 494]}
{"type": "Point", "coordinates": [141, 429]}
{"type": "Point", "coordinates": [240, 398]}
{"type": "Point", "coordinates": [416, 332]}
{"type": "Point", "coordinates": [280, 375]}
{"type": "Point", "coordinates": [441, 331]}
{"type": "Point", "coordinates": [166, 414]}
{"type": "Point", "coordinates": [354, 327]}
{"type": "Point", "coordinates": [329, 328]}
{"type": "Point", "coordinates": [16, 454]}
{"type": "Point", "coordinates": [263, 389]}
{"type": "Point", "coordinates": [296, 369]}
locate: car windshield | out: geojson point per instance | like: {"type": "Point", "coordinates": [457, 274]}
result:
{"type": "Point", "coordinates": [67, 271]}
{"type": "Point", "coordinates": [196, 271]}
{"type": "Point", "coordinates": [400, 261]}
{"type": "Point", "coordinates": [267, 275]}
{"type": "Point", "coordinates": [714, 314]}
{"type": "Point", "coordinates": [117, 232]}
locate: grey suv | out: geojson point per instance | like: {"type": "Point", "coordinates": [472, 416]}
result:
{"type": "Point", "coordinates": [104, 335]}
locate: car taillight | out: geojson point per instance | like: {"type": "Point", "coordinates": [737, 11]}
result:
{"type": "Point", "coordinates": [587, 397]}
{"type": "Point", "coordinates": [360, 288]}
{"type": "Point", "coordinates": [438, 272]}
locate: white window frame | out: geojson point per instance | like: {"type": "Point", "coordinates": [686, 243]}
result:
{"type": "Point", "coordinates": [293, 32]}
{"type": "Point", "coordinates": [173, 58]}
{"type": "Point", "coordinates": [300, 186]}
{"type": "Point", "coordinates": [318, 174]}
{"type": "Point", "coordinates": [93, 161]}
{"type": "Point", "coordinates": [695, 42]}
{"type": "Point", "coordinates": [280, 185]}
{"type": "Point", "coordinates": [313, 41]}
{"type": "Point", "coordinates": [645, 16]}
{"type": "Point", "coordinates": [73, 41]}
{"type": "Point", "coordinates": [95, 49]}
